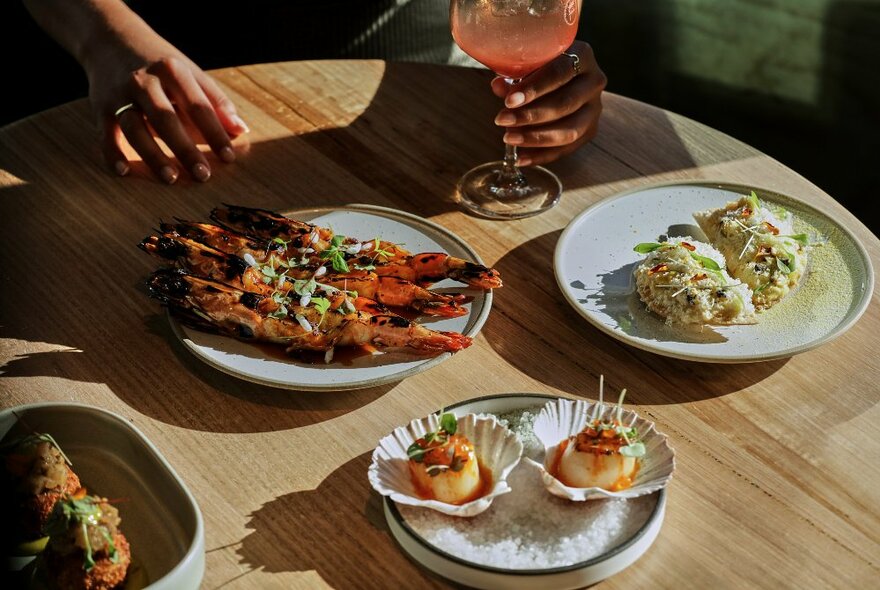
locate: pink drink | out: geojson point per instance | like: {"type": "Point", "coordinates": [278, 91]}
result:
{"type": "Point", "coordinates": [514, 42]}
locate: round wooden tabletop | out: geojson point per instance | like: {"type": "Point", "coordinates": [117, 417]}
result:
{"type": "Point", "coordinates": [777, 479]}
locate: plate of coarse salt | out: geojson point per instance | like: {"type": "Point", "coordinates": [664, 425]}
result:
{"type": "Point", "coordinates": [528, 538]}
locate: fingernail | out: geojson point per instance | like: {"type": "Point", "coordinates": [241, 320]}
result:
{"type": "Point", "coordinates": [240, 124]}
{"type": "Point", "coordinates": [121, 168]}
{"type": "Point", "coordinates": [201, 172]}
{"type": "Point", "coordinates": [227, 154]}
{"type": "Point", "coordinates": [168, 174]}
{"type": "Point", "coordinates": [523, 161]}
{"type": "Point", "coordinates": [515, 99]}
{"type": "Point", "coordinates": [513, 138]}
{"type": "Point", "coordinates": [505, 119]}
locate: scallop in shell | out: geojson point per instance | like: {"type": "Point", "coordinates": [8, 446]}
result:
{"type": "Point", "coordinates": [497, 449]}
{"type": "Point", "coordinates": [563, 418]}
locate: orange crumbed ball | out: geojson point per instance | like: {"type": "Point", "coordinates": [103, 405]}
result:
{"type": "Point", "coordinates": [86, 550]}
{"type": "Point", "coordinates": [38, 474]}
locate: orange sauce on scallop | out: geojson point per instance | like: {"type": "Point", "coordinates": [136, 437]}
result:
{"type": "Point", "coordinates": [621, 483]}
{"type": "Point", "coordinates": [426, 493]}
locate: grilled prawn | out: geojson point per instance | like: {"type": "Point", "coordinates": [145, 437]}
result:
{"type": "Point", "coordinates": [252, 316]}
{"type": "Point", "coordinates": [205, 261]}
{"type": "Point", "coordinates": [269, 225]}
{"type": "Point", "coordinates": [385, 258]}
{"type": "Point", "coordinates": [430, 267]}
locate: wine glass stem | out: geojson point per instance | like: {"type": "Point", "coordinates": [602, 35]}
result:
{"type": "Point", "coordinates": [510, 174]}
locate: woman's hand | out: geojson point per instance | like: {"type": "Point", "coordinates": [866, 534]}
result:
{"type": "Point", "coordinates": [554, 110]}
{"type": "Point", "coordinates": [172, 97]}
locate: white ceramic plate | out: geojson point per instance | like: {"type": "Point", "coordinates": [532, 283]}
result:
{"type": "Point", "coordinates": [253, 363]}
{"type": "Point", "coordinates": [594, 261]}
{"type": "Point", "coordinates": [646, 525]}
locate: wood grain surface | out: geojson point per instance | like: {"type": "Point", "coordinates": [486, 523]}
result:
{"type": "Point", "coordinates": [778, 472]}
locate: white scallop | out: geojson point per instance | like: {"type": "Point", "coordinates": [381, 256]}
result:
{"type": "Point", "coordinates": [496, 447]}
{"type": "Point", "coordinates": [563, 418]}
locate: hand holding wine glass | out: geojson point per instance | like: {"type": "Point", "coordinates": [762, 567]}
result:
{"type": "Point", "coordinates": [549, 113]}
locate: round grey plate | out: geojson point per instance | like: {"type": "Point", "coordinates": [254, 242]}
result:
{"type": "Point", "coordinates": [251, 363]}
{"type": "Point", "coordinates": [477, 575]}
{"type": "Point", "coordinates": [594, 261]}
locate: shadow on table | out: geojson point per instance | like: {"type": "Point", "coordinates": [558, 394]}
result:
{"type": "Point", "coordinates": [123, 353]}
{"type": "Point", "coordinates": [337, 530]}
{"type": "Point", "coordinates": [90, 316]}
{"type": "Point", "coordinates": [556, 346]}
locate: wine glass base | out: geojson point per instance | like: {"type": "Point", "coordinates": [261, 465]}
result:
{"type": "Point", "coordinates": [479, 191]}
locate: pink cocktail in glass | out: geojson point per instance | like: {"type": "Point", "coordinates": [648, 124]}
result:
{"type": "Point", "coordinates": [513, 38]}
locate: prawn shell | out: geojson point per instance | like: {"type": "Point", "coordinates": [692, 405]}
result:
{"type": "Point", "coordinates": [563, 418]}
{"type": "Point", "coordinates": [496, 448]}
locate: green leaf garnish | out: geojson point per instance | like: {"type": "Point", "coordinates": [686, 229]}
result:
{"type": "Point", "coordinates": [636, 449]}
{"type": "Point", "coordinates": [802, 239]}
{"type": "Point", "coordinates": [448, 423]}
{"type": "Point", "coordinates": [785, 268]}
{"type": "Point", "coordinates": [416, 452]}
{"type": "Point", "coordinates": [304, 287]}
{"type": "Point", "coordinates": [280, 313]}
{"type": "Point", "coordinates": [82, 512]}
{"type": "Point", "coordinates": [322, 304]}
{"type": "Point", "coordinates": [706, 262]}
{"type": "Point", "coordinates": [280, 241]}
{"type": "Point", "coordinates": [646, 247]}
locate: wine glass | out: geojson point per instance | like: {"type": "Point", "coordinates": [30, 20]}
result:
{"type": "Point", "coordinates": [513, 38]}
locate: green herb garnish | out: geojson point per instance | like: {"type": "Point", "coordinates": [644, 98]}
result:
{"type": "Point", "coordinates": [706, 262]}
{"type": "Point", "coordinates": [434, 440]}
{"type": "Point", "coordinates": [647, 247]}
{"type": "Point", "coordinates": [83, 512]}
{"type": "Point", "coordinates": [336, 255]}
{"type": "Point", "coordinates": [802, 239]}
{"type": "Point", "coordinates": [785, 268]}
{"type": "Point", "coordinates": [322, 304]}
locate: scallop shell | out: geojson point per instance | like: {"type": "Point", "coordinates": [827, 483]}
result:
{"type": "Point", "coordinates": [496, 447]}
{"type": "Point", "coordinates": [563, 418]}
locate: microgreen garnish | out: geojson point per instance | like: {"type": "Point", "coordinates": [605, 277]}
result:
{"type": "Point", "coordinates": [336, 255]}
{"type": "Point", "coordinates": [633, 447]}
{"type": "Point", "coordinates": [753, 201]}
{"type": "Point", "coordinates": [304, 286]}
{"type": "Point", "coordinates": [785, 268]}
{"type": "Point", "coordinates": [83, 512]}
{"type": "Point", "coordinates": [434, 440]}
{"type": "Point", "coordinates": [322, 304]}
{"type": "Point", "coordinates": [378, 251]}
{"type": "Point", "coordinates": [281, 242]}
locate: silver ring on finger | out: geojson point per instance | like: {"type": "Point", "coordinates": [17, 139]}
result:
{"type": "Point", "coordinates": [126, 107]}
{"type": "Point", "coordinates": [575, 62]}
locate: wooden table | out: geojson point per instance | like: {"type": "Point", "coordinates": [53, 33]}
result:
{"type": "Point", "coordinates": [777, 480]}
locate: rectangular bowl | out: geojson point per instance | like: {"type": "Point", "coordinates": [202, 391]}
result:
{"type": "Point", "coordinates": [113, 459]}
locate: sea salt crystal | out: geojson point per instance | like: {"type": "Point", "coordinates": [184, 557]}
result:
{"type": "Point", "coordinates": [529, 528]}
